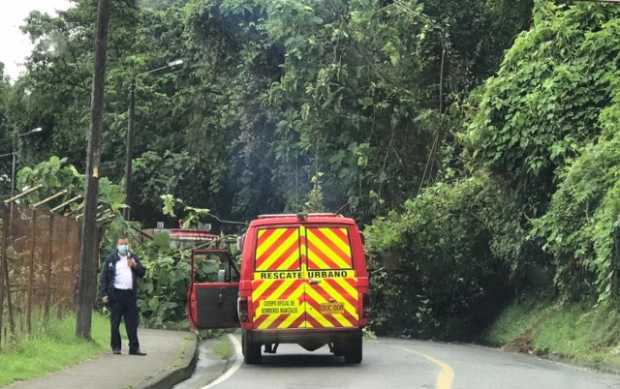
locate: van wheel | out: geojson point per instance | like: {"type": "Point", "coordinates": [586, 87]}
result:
{"type": "Point", "coordinates": [354, 352]}
{"type": "Point", "coordinates": [251, 350]}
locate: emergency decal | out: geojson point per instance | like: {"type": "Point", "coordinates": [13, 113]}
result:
{"type": "Point", "coordinates": [332, 303]}
{"type": "Point", "coordinates": [328, 248]}
{"type": "Point", "coordinates": [278, 303]}
{"type": "Point", "coordinates": [286, 275]}
{"type": "Point", "coordinates": [331, 294]}
{"type": "Point", "coordinates": [278, 249]}
{"type": "Point", "coordinates": [304, 278]}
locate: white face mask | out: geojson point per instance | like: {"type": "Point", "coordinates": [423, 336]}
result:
{"type": "Point", "coordinates": [123, 249]}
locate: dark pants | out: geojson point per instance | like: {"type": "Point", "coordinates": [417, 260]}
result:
{"type": "Point", "coordinates": [124, 305]}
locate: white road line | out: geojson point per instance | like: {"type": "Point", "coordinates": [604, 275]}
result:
{"type": "Point", "coordinates": [235, 366]}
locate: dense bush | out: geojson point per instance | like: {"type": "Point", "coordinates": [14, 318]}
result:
{"type": "Point", "coordinates": [548, 123]}
{"type": "Point", "coordinates": [163, 290]}
{"type": "Point", "coordinates": [578, 228]}
{"type": "Point", "coordinates": [544, 103]}
{"type": "Point", "coordinates": [442, 264]}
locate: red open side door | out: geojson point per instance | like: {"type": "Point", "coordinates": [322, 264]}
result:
{"type": "Point", "coordinates": [213, 291]}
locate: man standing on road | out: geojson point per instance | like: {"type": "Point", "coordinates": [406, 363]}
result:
{"type": "Point", "coordinates": [119, 290]}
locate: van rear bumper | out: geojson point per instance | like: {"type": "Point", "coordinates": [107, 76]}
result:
{"type": "Point", "coordinates": [303, 335]}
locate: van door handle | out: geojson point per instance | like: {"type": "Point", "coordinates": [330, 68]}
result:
{"type": "Point", "coordinates": [314, 281]}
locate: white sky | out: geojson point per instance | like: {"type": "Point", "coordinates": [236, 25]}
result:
{"type": "Point", "coordinates": [15, 46]}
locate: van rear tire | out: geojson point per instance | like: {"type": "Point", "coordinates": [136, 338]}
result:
{"type": "Point", "coordinates": [354, 353]}
{"type": "Point", "coordinates": [251, 350]}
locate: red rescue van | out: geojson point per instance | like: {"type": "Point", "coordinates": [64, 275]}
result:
{"type": "Point", "coordinates": [302, 279]}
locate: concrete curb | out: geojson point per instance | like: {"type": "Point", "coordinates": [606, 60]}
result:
{"type": "Point", "coordinates": [182, 369]}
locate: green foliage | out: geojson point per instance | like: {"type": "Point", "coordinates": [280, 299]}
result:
{"type": "Point", "coordinates": [163, 290]}
{"type": "Point", "coordinates": [191, 215]}
{"type": "Point", "coordinates": [56, 175]}
{"type": "Point", "coordinates": [271, 93]}
{"type": "Point", "coordinates": [547, 124]}
{"type": "Point", "coordinates": [545, 101]}
{"type": "Point", "coordinates": [315, 197]}
{"type": "Point", "coordinates": [579, 227]}
{"type": "Point", "coordinates": [449, 248]}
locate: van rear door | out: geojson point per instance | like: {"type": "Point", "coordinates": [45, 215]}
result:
{"type": "Point", "coordinates": [332, 299]}
{"type": "Point", "coordinates": [214, 288]}
{"type": "Point", "coordinates": [278, 286]}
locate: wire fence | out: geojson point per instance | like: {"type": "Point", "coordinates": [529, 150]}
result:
{"type": "Point", "coordinates": [39, 268]}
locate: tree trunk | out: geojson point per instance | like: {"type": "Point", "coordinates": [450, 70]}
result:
{"type": "Point", "coordinates": [87, 292]}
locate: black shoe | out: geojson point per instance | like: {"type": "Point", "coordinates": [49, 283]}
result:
{"type": "Point", "coordinates": [116, 352]}
{"type": "Point", "coordinates": [138, 353]}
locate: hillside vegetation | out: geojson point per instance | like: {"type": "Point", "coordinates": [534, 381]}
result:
{"type": "Point", "coordinates": [535, 205]}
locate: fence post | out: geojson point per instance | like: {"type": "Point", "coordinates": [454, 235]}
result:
{"type": "Point", "coordinates": [33, 247]}
{"type": "Point", "coordinates": [65, 241]}
{"type": "Point", "coordinates": [50, 253]}
{"type": "Point", "coordinates": [616, 263]}
{"type": "Point", "coordinates": [5, 275]}
{"type": "Point", "coordinates": [5, 231]}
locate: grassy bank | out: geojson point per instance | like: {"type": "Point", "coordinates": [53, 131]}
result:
{"type": "Point", "coordinates": [575, 332]}
{"type": "Point", "coordinates": [51, 349]}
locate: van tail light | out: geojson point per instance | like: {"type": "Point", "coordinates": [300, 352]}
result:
{"type": "Point", "coordinates": [242, 309]}
{"type": "Point", "coordinates": [365, 305]}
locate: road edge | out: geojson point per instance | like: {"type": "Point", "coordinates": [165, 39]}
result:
{"type": "Point", "coordinates": [231, 364]}
{"type": "Point", "coordinates": [181, 370]}
{"type": "Point", "coordinates": [599, 367]}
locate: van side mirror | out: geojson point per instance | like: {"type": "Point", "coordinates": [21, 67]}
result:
{"type": "Point", "coordinates": [221, 275]}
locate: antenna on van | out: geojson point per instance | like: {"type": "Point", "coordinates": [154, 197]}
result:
{"type": "Point", "coordinates": [302, 215]}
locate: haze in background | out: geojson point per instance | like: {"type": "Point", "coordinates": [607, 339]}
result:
{"type": "Point", "coordinates": [15, 46]}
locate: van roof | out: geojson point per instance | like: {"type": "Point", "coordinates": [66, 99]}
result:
{"type": "Point", "coordinates": [291, 218]}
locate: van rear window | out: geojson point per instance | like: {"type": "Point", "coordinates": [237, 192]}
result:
{"type": "Point", "coordinates": [277, 249]}
{"type": "Point", "coordinates": [329, 248]}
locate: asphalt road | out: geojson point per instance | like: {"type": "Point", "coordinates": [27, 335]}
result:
{"type": "Point", "coordinates": [394, 363]}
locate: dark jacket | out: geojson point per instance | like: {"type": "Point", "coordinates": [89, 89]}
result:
{"type": "Point", "coordinates": [108, 274]}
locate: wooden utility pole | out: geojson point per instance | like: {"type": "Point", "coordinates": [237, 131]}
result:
{"type": "Point", "coordinates": [87, 292]}
{"type": "Point", "coordinates": [128, 168]}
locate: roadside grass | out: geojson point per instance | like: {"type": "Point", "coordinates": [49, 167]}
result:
{"type": "Point", "coordinates": [51, 349]}
{"type": "Point", "coordinates": [222, 348]}
{"type": "Point", "coordinates": [513, 322]}
{"type": "Point", "coordinates": [573, 332]}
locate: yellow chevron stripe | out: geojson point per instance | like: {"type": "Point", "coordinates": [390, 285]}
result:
{"type": "Point", "coordinates": [260, 250]}
{"type": "Point", "coordinates": [319, 299]}
{"type": "Point", "coordinates": [256, 293]}
{"type": "Point", "coordinates": [336, 296]}
{"type": "Point", "coordinates": [346, 286]}
{"type": "Point", "coordinates": [303, 249]}
{"type": "Point", "coordinates": [318, 243]}
{"type": "Point", "coordinates": [281, 289]}
{"type": "Point", "coordinates": [267, 322]}
{"type": "Point", "coordinates": [277, 253]}
{"type": "Point", "coordinates": [318, 317]}
{"type": "Point", "coordinates": [289, 320]}
{"type": "Point", "coordinates": [316, 259]}
{"type": "Point", "coordinates": [290, 260]}
{"type": "Point", "coordinates": [344, 246]}
{"type": "Point", "coordinates": [261, 232]}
